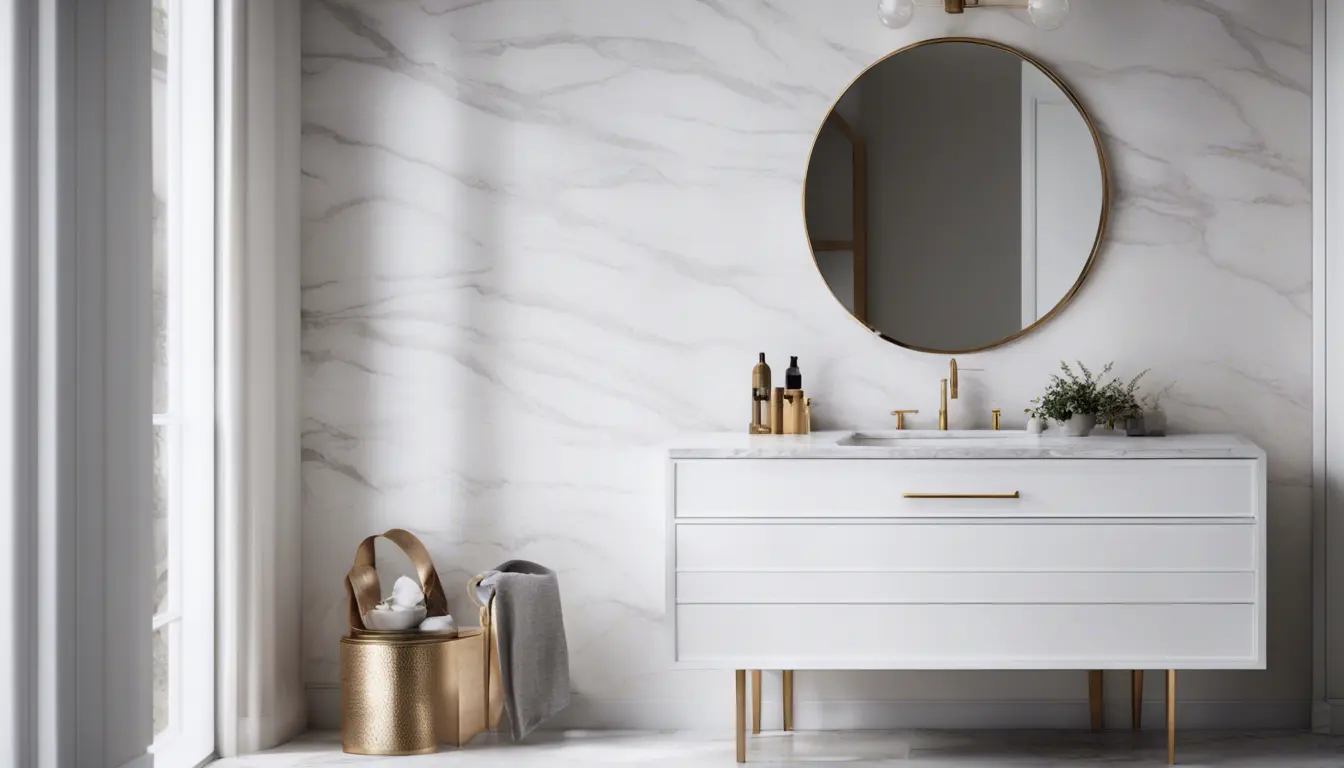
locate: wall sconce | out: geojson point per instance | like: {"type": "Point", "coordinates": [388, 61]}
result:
{"type": "Point", "coordinates": [1045, 14]}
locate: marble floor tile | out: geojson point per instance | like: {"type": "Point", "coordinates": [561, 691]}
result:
{"type": "Point", "coordinates": [855, 749]}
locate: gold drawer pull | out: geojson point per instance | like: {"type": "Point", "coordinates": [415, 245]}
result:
{"type": "Point", "coordinates": [1013, 495]}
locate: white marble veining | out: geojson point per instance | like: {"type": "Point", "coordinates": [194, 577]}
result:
{"type": "Point", "coordinates": [542, 238]}
{"type": "Point", "coordinates": [855, 749]}
{"type": "Point", "coordinates": [959, 445]}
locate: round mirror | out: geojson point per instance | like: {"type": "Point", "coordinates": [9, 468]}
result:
{"type": "Point", "coordinates": [956, 195]}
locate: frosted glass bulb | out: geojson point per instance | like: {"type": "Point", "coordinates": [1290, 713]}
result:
{"type": "Point", "coordinates": [1047, 14]}
{"type": "Point", "coordinates": [895, 13]}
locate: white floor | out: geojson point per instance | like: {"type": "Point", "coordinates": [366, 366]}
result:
{"type": "Point", "coordinates": [854, 749]}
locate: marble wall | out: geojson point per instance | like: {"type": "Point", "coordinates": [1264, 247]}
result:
{"type": "Point", "coordinates": [539, 238]}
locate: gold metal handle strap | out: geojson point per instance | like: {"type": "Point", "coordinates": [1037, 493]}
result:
{"type": "Point", "coordinates": [472, 584]}
{"type": "Point", "coordinates": [1013, 495]}
{"type": "Point", "coordinates": [436, 602]}
{"type": "Point", "coordinates": [363, 590]}
{"type": "Point", "coordinates": [361, 584]}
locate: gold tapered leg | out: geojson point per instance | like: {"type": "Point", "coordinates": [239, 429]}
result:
{"type": "Point", "coordinates": [755, 701]}
{"type": "Point", "coordinates": [741, 729]}
{"type": "Point", "coordinates": [1136, 699]}
{"type": "Point", "coordinates": [1171, 717]}
{"type": "Point", "coordinates": [1094, 680]}
{"type": "Point", "coordinates": [788, 699]}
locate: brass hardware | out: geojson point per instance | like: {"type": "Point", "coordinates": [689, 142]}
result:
{"type": "Point", "coordinates": [1094, 698]}
{"type": "Point", "coordinates": [994, 418]}
{"type": "Point", "coordinates": [942, 404]}
{"type": "Point", "coordinates": [900, 418]}
{"type": "Point", "coordinates": [1171, 717]}
{"type": "Point", "coordinates": [1013, 495]}
{"type": "Point", "coordinates": [860, 271]}
{"type": "Point", "coordinates": [760, 398]}
{"type": "Point", "coordinates": [788, 699]}
{"type": "Point", "coordinates": [943, 393]}
{"type": "Point", "coordinates": [1136, 699]}
{"type": "Point", "coordinates": [755, 701]}
{"type": "Point", "coordinates": [741, 726]}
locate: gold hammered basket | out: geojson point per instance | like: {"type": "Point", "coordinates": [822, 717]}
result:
{"type": "Point", "coordinates": [405, 693]}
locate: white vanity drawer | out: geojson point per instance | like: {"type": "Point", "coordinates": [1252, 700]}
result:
{"type": "Point", "coordinates": [968, 636]}
{"type": "Point", "coordinates": [729, 588]}
{"type": "Point", "coordinates": [991, 546]}
{"type": "Point", "coordinates": [783, 488]}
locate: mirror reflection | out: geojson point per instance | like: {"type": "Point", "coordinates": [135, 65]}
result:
{"type": "Point", "coordinates": [954, 196]}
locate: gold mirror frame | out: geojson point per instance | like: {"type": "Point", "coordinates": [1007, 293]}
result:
{"type": "Point", "coordinates": [858, 239]}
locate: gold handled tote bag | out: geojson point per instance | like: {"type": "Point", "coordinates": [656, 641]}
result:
{"type": "Point", "coordinates": [406, 692]}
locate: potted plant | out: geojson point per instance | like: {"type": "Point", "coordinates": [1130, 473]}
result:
{"type": "Point", "coordinates": [1120, 405]}
{"type": "Point", "coordinates": [1077, 399]}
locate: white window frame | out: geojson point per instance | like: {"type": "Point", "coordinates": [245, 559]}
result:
{"type": "Point", "coordinates": [189, 422]}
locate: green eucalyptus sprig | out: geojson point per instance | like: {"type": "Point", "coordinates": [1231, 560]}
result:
{"type": "Point", "coordinates": [1084, 393]}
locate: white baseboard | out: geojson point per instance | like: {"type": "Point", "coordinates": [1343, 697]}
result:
{"type": "Point", "coordinates": [324, 713]}
{"type": "Point", "coordinates": [1327, 717]}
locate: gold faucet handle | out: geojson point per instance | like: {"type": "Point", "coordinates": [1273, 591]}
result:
{"type": "Point", "coordinates": [900, 418]}
{"type": "Point", "coordinates": [994, 418]}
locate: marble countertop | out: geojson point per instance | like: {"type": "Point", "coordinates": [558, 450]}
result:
{"type": "Point", "coordinates": [924, 444]}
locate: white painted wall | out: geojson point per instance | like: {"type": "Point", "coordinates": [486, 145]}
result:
{"type": "Point", "coordinates": [537, 241]}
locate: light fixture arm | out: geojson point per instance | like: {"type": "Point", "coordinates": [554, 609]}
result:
{"type": "Point", "coordinates": [1045, 14]}
{"type": "Point", "coordinates": [960, 6]}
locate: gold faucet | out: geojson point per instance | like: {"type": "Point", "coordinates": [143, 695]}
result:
{"type": "Point", "coordinates": [942, 394]}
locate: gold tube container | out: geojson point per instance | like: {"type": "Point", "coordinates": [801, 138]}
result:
{"type": "Point", "coordinates": [388, 692]}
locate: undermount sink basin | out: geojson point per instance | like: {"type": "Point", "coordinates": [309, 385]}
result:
{"type": "Point", "coordinates": [949, 437]}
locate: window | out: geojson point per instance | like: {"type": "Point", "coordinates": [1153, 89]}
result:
{"type": "Point", "coordinates": [182, 73]}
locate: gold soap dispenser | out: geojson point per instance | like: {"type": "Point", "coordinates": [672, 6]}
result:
{"type": "Point", "coordinates": [760, 398]}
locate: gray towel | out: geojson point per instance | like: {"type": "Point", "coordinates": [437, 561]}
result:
{"type": "Point", "coordinates": [533, 655]}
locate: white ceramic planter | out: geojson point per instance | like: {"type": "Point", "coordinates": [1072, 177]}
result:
{"type": "Point", "coordinates": [1080, 425]}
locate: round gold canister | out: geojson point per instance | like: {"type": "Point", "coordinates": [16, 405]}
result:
{"type": "Point", "coordinates": [388, 688]}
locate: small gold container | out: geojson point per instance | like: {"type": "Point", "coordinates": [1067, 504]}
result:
{"type": "Point", "coordinates": [796, 414]}
{"type": "Point", "coordinates": [387, 696]}
{"type": "Point", "coordinates": [406, 696]}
